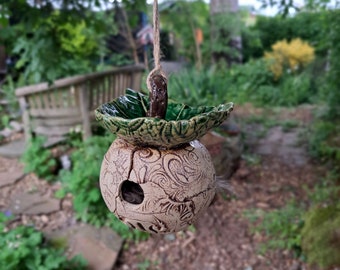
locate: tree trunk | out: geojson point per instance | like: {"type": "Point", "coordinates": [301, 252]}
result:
{"type": "Point", "coordinates": [225, 34]}
{"type": "Point", "coordinates": [223, 6]}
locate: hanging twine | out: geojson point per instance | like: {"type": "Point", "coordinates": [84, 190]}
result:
{"type": "Point", "coordinates": [156, 48]}
{"type": "Point", "coordinates": [156, 80]}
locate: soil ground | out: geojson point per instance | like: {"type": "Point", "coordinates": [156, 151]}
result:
{"type": "Point", "coordinates": [274, 169]}
{"type": "Point", "coordinates": [223, 238]}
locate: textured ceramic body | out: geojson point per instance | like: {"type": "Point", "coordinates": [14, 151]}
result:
{"type": "Point", "coordinates": [177, 185]}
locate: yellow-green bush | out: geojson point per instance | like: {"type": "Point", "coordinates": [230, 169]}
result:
{"type": "Point", "coordinates": [290, 56]}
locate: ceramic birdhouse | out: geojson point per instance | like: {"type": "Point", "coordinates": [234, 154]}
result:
{"type": "Point", "coordinates": [156, 176]}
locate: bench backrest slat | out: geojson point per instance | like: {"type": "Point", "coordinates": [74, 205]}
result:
{"type": "Point", "coordinates": [70, 101]}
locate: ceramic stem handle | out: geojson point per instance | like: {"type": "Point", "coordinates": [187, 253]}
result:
{"type": "Point", "coordinates": [158, 97]}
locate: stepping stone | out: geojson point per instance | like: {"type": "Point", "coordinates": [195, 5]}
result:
{"type": "Point", "coordinates": [283, 144]}
{"type": "Point", "coordinates": [16, 126]}
{"type": "Point", "coordinates": [6, 132]}
{"type": "Point", "coordinates": [99, 246]}
{"type": "Point", "coordinates": [33, 204]}
{"type": "Point", "coordinates": [225, 152]}
{"type": "Point", "coordinates": [13, 149]}
{"type": "Point", "coordinates": [10, 177]}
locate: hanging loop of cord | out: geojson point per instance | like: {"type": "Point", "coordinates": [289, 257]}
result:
{"type": "Point", "coordinates": [156, 80]}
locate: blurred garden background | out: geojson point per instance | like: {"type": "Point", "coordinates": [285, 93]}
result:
{"type": "Point", "coordinates": [280, 150]}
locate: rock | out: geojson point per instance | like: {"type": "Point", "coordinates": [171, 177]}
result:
{"type": "Point", "coordinates": [262, 205]}
{"type": "Point", "coordinates": [17, 127]}
{"type": "Point", "coordinates": [33, 204]}
{"type": "Point", "coordinates": [225, 152]}
{"type": "Point", "coordinates": [99, 246]}
{"type": "Point", "coordinates": [230, 127]}
{"type": "Point", "coordinates": [170, 237]}
{"type": "Point", "coordinates": [283, 144]}
{"type": "Point", "coordinates": [45, 219]}
{"type": "Point", "coordinates": [65, 162]}
{"type": "Point", "coordinates": [6, 132]}
{"type": "Point", "coordinates": [13, 149]}
{"type": "Point", "coordinates": [10, 177]}
{"type": "Point", "coordinates": [295, 266]}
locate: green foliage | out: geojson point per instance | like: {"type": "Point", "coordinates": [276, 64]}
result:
{"type": "Point", "coordinates": [147, 264]}
{"type": "Point", "coordinates": [251, 82]}
{"type": "Point", "coordinates": [189, 15]}
{"type": "Point", "coordinates": [286, 6]}
{"type": "Point", "coordinates": [282, 227]}
{"type": "Point", "coordinates": [252, 46]}
{"type": "Point", "coordinates": [7, 92]}
{"type": "Point", "coordinates": [272, 29]}
{"type": "Point", "coordinates": [225, 27]}
{"type": "Point", "coordinates": [327, 191]}
{"type": "Point", "coordinates": [324, 142]}
{"type": "Point", "coordinates": [293, 90]}
{"type": "Point", "coordinates": [53, 44]}
{"type": "Point", "coordinates": [311, 232]}
{"type": "Point", "coordinates": [10, 110]}
{"type": "Point", "coordinates": [23, 247]}
{"type": "Point", "coordinates": [333, 76]}
{"type": "Point", "coordinates": [83, 180]}
{"type": "Point", "coordinates": [197, 88]}
{"type": "Point", "coordinates": [39, 159]}
{"type": "Point", "coordinates": [83, 183]}
{"type": "Point", "coordinates": [287, 125]}
{"type": "Point", "coordinates": [321, 236]}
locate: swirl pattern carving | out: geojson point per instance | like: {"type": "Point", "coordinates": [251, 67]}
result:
{"type": "Point", "coordinates": [178, 184]}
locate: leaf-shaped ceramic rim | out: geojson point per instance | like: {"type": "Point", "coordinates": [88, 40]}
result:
{"type": "Point", "coordinates": [126, 117]}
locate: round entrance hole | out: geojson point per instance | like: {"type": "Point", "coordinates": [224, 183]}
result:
{"type": "Point", "coordinates": [132, 192]}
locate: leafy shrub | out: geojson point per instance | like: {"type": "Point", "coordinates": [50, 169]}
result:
{"type": "Point", "coordinates": [23, 247]}
{"type": "Point", "coordinates": [51, 44]}
{"type": "Point", "coordinates": [224, 36]}
{"type": "Point", "coordinates": [246, 81]}
{"type": "Point", "coordinates": [292, 56]}
{"type": "Point", "coordinates": [324, 142]}
{"type": "Point", "coordinates": [83, 180]}
{"type": "Point", "coordinates": [321, 236]}
{"type": "Point", "coordinates": [273, 29]}
{"type": "Point", "coordinates": [7, 92]}
{"type": "Point", "coordinates": [252, 47]}
{"type": "Point", "coordinates": [333, 76]}
{"type": "Point", "coordinates": [282, 226]}
{"type": "Point", "coordinates": [39, 159]}
{"type": "Point", "coordinates": [83, 183]}
{"type": "Point", "coordinates": [294, 90]}
{"type": "Point", "coordinates": [197, 87]}
{"type": "Point", "coordinates": [250, 82]}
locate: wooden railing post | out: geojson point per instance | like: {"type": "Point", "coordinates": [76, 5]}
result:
{"type": "Point", "coordinates": [25, 118]}
{"type": "Point", "coordinates": [84, 108]}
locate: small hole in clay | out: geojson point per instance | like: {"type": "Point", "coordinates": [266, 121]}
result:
{"type": "Point", "coordinates": [132, 192]}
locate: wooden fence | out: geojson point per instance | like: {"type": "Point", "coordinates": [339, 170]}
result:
{"type": "Point", "coordinates": [53, 110]}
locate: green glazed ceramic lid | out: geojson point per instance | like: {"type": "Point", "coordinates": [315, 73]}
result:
{"type": "Point", "coordinates": [126, 117]}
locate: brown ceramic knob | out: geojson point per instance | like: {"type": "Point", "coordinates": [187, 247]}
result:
{"type": "Point", "coordinates": [157, 190]}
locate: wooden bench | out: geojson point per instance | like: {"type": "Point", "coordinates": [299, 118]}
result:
{"type": "Point", "coordinates": [54, 110]}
